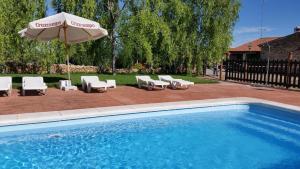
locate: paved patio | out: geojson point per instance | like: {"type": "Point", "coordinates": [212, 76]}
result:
{"type": "Point", "coordinates": [125, 95]}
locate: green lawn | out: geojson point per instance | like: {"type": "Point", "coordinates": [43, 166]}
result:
{"type": "Point", "coordinates": [121, 79]}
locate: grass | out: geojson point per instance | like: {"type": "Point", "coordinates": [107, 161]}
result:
{"type": "Point", "coordinates": [121, 79]}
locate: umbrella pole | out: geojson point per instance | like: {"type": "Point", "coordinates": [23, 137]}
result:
{"type": "Point", "coordinates": [69, 76]}
{"type": "Point", "coordinates": [67, 52]}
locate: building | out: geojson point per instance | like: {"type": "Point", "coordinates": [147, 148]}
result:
{"type": "Point", "coordinates": [249, 50]}
{"type": "Point", "coordinates": [280, 48]}
{"type": "Point", "coordinates": [271, 47]}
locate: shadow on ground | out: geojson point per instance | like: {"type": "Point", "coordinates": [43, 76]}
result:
{"type": "Point", "coordinates": [3, 94]}
{"type": "Point", "coordinates": [32, 93]}
{"type": "Point", "coordinates": [46, 79]}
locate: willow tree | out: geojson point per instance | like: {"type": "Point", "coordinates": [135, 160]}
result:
{"type": "Point", "coordinates": [178, 36]}
{"type": "Point", "coordinates": [177, 15]}
{"type": "Point", "coordinates": [215, 21]}
{"type": "Point", "coordinates": [148, 36]}
{"type": "Point", "coordinates": [110, 12]}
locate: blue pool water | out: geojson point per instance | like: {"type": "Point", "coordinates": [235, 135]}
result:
{"type": "Point", "coordinates": [225, 137]}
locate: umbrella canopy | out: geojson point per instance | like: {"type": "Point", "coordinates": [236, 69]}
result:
{"type": "Point", "coordinates": [77, 29]}
{"type": "Point", "coordinates": [22, 32]}
{"type": "Point", "coordinates": [66, 27]}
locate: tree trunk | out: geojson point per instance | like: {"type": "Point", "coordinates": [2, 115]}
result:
{"type": "Point", "coordinates": [111, 7]}
{"type": "Point", "coordinates": [204, 68]}
{"type": "Point", "coordinates": [113, 46]}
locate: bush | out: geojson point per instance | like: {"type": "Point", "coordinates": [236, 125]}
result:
{"type": "Point", "coordinates": [139, 67]}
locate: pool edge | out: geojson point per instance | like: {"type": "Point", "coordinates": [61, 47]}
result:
{"type": "Point", "coordinates": [41, 117]}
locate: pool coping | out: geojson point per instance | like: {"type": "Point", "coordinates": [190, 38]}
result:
{"type": "Point", "coordinates": [51, 116]}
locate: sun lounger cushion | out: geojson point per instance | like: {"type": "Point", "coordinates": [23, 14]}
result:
{"type": "Point", "coordinates": [175, 82]}
{"type": "Point", "coordinates": [33, 83]}
{"type": "Point", "coordinates": [92, 82]}
{"type": "Point", "coordinates": [146, 81]}
{"type": "Point", "coordinates": [5, 83]}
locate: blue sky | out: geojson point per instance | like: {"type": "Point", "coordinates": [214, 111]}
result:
{"type": "Point", "coordinates": [279, 19]}
{"type": "Point", "coordinates": [50, 10]}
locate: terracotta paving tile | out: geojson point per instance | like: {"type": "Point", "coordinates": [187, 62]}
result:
{"type": "Point", "coordinates": [124, 95]}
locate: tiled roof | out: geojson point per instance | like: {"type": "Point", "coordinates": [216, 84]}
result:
{"type": "Point", "coordinates": [282, 38]}
{"type": "Point", "coordinates": [255, 45]}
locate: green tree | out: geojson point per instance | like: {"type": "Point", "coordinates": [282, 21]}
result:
{"type": "Point", "coordinates": [110, 12]}
{"type": "Point", "coordinates": [176, 36]}
{"type": "Point", "coordinates": [148, 36]}
{"type": "Point", "coordinates": [215, 21]}
{"type": "Point", "coordinates": [178, 16]}
{"type": "Point", "coordinates": [14, 17]}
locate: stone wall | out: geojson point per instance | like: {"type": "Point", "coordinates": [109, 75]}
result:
{"type": "Point", "coordinates": [280, 48]}
{"type": "Point", "coordinates": [63, 68]}
{"type": "Point", "coordinates": [12, 67]}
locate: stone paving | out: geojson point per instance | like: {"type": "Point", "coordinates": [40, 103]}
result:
{"type": "Point", "coordinates": [56, 99]}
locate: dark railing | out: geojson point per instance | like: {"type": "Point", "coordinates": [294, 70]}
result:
{"type": "Point", "coordinates": [284, 73]}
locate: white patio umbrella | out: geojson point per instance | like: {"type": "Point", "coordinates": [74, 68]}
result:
{"type": "Point", "coordinates": [68, 28]}
{"type": "Point", "coordinates": [22, 32]}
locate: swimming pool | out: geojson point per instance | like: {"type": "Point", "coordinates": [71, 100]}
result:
{"type": "Point", "coordinates": [253, 136]}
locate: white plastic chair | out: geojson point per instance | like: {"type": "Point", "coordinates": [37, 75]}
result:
{"type": "Point", "coordinates": [66, 85]}
{"type": "Point", "coordinates": [6, 84]}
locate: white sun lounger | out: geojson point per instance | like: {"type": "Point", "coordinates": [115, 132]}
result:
{"type": "Point", "coordinates": [92, 82]}
{"type": "Point", "coordinates": [6, 84]}
{"type": "Point", "coordinates": [175, 83]}
{"type": "Point", "coordinates": [146, 81]}
{"type": "Point", "coordinates": [33, 83]}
